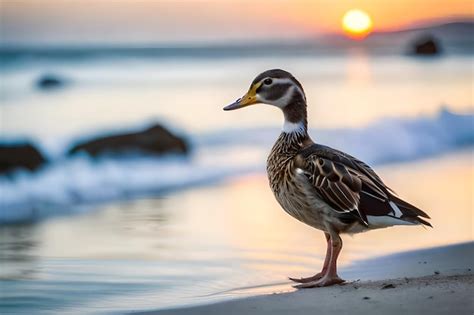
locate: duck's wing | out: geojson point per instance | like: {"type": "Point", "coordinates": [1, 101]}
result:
{"type": "Point", "coordinates": [350, 186]}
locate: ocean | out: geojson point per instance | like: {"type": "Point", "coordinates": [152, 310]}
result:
{"type": "Point", "coordinates": [108, 235]}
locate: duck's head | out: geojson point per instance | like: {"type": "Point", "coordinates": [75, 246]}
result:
{"type": "Point", "coordinates": [278, 88]}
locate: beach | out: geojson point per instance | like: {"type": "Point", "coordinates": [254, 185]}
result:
{"type": "Point", "coordinates": [436, 281]}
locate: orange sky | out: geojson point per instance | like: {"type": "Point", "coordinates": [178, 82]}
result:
{"type": "Point", "coordinates": [148, 21]}
{"type": "Point", "coordinates": [393, 14]}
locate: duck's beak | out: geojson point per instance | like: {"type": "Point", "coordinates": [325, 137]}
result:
{"type": "Point", "coordinates": [249, 98]}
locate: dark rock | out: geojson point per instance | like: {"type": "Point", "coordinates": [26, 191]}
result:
{"type": "Point", "coordinates": [20, 155]}
{"type": "Point", "coordinates": [426, 46]}
{"type": "Point", "coordinates": [49, 81]}
{"type": "Point", "coordinates": [436, 272]}
{"type": "Point", "coordinates": [366, 298]}
{"type": "Point", "coordinates": [388, 286]}
{"type": "Point", "coordinates": [155, 140]}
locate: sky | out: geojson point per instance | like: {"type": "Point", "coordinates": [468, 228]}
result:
{"type": "Point", "coordinates": [164, 21]}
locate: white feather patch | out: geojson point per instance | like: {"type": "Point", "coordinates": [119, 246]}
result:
{"type": "Point", "coordinates": [385, 221]}
{"type": "Point", "coordinates": [289, 127]}
{"type": "Point", "coordinates": [396, 210]}
{"type": "Point", "coordinates": [299, 171]}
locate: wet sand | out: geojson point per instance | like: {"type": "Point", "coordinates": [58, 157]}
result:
{"type": "Point", "coordinates": [435, 281]}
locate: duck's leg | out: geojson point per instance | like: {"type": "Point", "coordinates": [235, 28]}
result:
{"type": "Point", "coordinates": [330, 277]}
{"type": "Point", "coordinates": [325, 266]}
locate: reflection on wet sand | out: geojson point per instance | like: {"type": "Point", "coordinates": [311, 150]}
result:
{"type": "Point", "coordinates": [17, 251]}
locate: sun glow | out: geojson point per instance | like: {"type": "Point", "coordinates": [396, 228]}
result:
{"type": "Point", "coordinates": [357, 24]}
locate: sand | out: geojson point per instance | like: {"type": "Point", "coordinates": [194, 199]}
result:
{"type": "Point", "coordinates": [430, 281]}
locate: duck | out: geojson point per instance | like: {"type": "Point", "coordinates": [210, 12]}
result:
{"type": "Point", "coordinates": [322, 187]}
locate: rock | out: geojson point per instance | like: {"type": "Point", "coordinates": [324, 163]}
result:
{"type": "Point", "coordinates": [49, 81]}
{"type": "Point", "coordinates": [388, 286]}
{"type": "Point", "coordinates": [155, 140]}
{"type": "Point", "coordinates": [20, 155]}
{"type": "Point", "coordinates": [426, 45]}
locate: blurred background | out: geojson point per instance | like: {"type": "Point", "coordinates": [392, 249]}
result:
{"type": "Point", "coordinates": [124, 186]}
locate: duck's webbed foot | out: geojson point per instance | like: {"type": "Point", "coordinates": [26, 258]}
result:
{"type": "Point", "coordinates": [324, 281]}
{"type": "Point", "coordinates": [308, 279]}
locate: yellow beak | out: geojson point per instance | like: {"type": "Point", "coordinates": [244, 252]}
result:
{"type": "Point", "coordinates": [249, 98]}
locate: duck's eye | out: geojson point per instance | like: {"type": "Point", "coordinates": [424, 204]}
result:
{"type": "Point", "coordinates": [268, 81]}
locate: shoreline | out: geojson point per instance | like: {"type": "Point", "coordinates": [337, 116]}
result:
{"type": "Point", "coordinates": [436, 280]}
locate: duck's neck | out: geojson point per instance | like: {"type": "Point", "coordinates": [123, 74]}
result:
{"type": "Point", "coordinates": [295, 127]}
{"type": "Point", "coordinates": [295, 116]}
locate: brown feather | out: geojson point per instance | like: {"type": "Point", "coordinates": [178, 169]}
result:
{"type": "Point", "coordinates": [352, 184]}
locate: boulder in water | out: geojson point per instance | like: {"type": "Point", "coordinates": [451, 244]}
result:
{"type": "Point", "coordinates": [426, 45]}
{"type": "Point", "coordinates": [20, 156]}
{"type": "Point", "coordinates": [155, 141]}
{"type": "Point", "coordinates": [49, 81]}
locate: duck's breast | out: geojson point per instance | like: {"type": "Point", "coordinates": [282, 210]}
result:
{"type": "Point", "coordinates": [294, 193]}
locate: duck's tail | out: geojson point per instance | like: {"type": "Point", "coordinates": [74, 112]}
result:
{"type": "Point", "coordinates": [409, 212]}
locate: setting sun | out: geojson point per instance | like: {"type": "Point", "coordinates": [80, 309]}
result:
{"type": "Point", "coordinates": [357, 24]}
